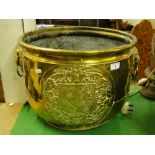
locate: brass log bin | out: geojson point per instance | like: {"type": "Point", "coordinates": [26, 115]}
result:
{"type": "Point", "coordinates": [76, 77]}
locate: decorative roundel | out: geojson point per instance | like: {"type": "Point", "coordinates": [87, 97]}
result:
{"type": "Point", "coordinates": [77, 94]}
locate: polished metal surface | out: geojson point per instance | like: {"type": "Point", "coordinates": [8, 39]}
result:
{"type": "Point", "coordinates": [76, 89]}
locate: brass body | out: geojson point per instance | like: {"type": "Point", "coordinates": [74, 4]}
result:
{"type": "Point", "coordinates": [76, 89]}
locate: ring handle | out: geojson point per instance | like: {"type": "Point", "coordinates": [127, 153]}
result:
{"type": "Point", "coordinates": [135, 62]}
{"type": "Point", "coordinates": [19, 62]}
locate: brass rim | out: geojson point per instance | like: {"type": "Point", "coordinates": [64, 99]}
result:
{"type": "Point", "coordinates": [102, 31]}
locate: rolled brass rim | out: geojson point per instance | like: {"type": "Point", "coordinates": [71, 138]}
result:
{"type": "Point", "coordinates": [71, 29]}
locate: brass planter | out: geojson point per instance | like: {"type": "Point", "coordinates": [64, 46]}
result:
{"type": "Point", "coordinates": [77, 78]}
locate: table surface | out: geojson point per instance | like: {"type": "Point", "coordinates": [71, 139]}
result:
{"type": "Point", "coordinates": [140, 122]}
{"type": "Point", "coordinates": [8, 116]}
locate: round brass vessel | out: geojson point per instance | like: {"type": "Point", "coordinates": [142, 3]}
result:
{"type": "Point", "coordinates": [76, 77]}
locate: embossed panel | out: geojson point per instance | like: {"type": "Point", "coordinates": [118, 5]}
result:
{"type": "Point", "coordinates": [77, 94]}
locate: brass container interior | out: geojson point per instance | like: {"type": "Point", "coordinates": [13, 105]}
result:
{"type": "Point", "coordinates": [76, 77]}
